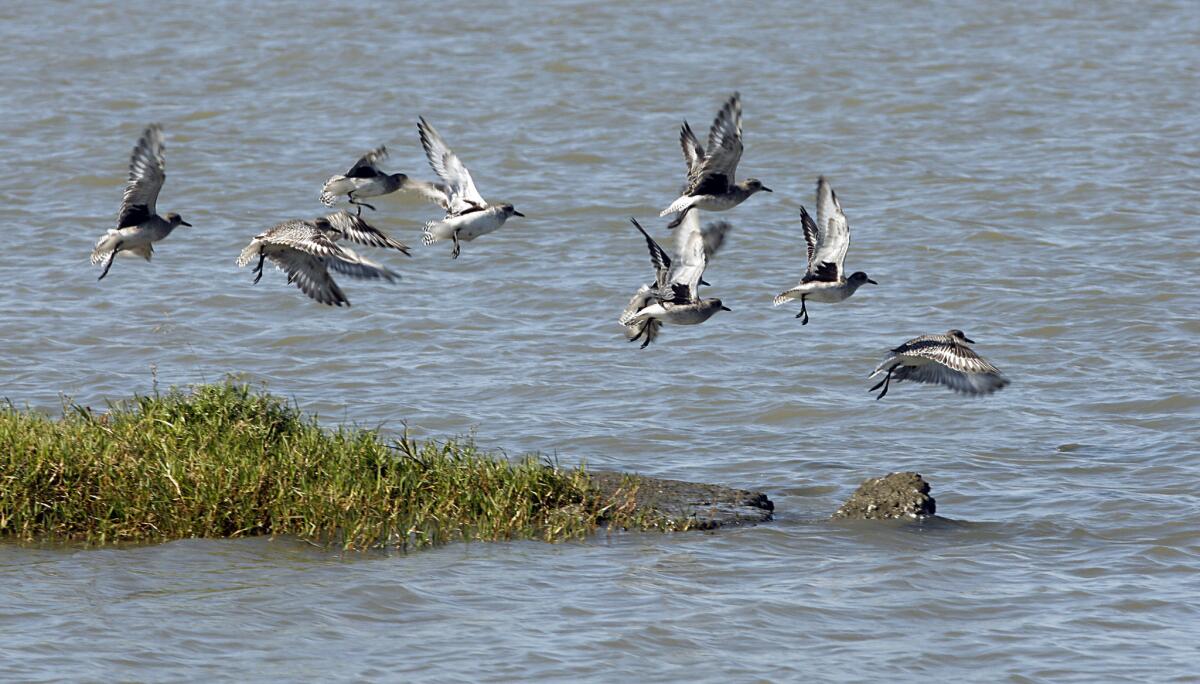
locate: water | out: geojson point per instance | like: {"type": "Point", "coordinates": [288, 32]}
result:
{"type": "Point", "coordinates": [1027, 174]}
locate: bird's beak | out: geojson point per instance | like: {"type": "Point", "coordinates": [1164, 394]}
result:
{"type": "Point", "coordinates": [967, 339]}
{"type": "Point", "coordinates": [185, 223]}
{"type": "Point", "coordinates": [725, 308]}
{"type": "Point", "coordinates": [766, 189]}
{"type": "Point", "coordinates": [517, 213]}
{"type": "Point", "coordinates": [872, 281]}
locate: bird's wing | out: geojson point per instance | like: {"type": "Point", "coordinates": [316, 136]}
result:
{"type": "Point", "coordinates": [957, 380]}
{"type": "Point", "coordinates": [438, 193]}
{"type": "Point", "coordinates": [689, 269]}
{"type": "Point", "coordinates": [832, 237]}
{"type": "Point", "coordinates": [310, 274]}
{"type": "Point", "coordinates": [301, 236]}
{"type": "Point", "coordinates": [355, 265]}
{"type": "Point", "coordinates": [462, 194]}
{"type": "Point", "coordinates": [714, 234]}
{"type": "Point", "coordinates": [355, 229]}
{"type": "Point", "coordinates": [146, 175]}
{"type": "Point", "coordinates": [953, 355]}
{"type": "Point", "coordinates": [367, 165]}
{"type": "Point", "coordinates": [693, 153]}
{"type": "Point", "coordinates": [658, 257]}
{"type": "Point", "coordinates": [718, 169]}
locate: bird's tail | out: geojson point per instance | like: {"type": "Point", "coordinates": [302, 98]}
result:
{"type": "Point", "coordinates": [248, 253]}
{"type": "Point", "coordinates": [785, 296]}
{"type": "Point", "coordinates": [428, 237]}
{"type": "Point", "coordinates": [879, 369]}
{"type": "Point", "coordinates": [105, 246]}
{"type": "Point", "coordinates": [330, 192]}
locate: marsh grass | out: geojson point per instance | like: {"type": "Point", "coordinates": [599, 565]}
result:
{"type": "Point", "coordinates": [227, 460]}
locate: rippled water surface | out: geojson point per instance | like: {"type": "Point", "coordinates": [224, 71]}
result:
{"type": "Point", "coordinates": [1026, 173]}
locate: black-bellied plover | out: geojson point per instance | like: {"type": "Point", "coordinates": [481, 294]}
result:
{"type": "Point", "coordinates": [673, 298]}
{"type": "Point", "coordinates": [943, 360]}
{"type": "Point", "coordinates": [308, 250]}
{"type": "Point", "coordinates": [365, 179]}
{"type": "Point", "coordinates": [828, 238]}
{"type": "Point", "coordinates": [468, 215]}
{"type": "Point", "coordinates": [711, 172]}
{"type": "Point", "coordinates": [139, 226]}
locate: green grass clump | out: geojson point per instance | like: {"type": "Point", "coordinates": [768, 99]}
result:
{"type": "Point", "coordinates": [225, 460]}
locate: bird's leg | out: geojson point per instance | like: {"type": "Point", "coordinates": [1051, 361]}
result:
{"type": "Point", "coordinates": [457, 247]}
{"type": "Point", "coordinates": [803, 310]}
{"type": "Point", "coordinates": [885, 382]}
{"type": "Point", "coordinates": [262, 256]}
{"type": "Point", "coordinates": [108, 264]}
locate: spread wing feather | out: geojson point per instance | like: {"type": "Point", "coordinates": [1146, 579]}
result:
{"type": "Point", "coordinates": [147, 171]}
{"type": "Point", "coordinates": [462, 194]}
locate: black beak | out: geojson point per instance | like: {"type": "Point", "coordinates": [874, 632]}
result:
{"type": "Point", "coordinates": [766, 189]}
{"type": "Point", "coordinates": [185, 223]}
{"type": "Point", "coordinates": [872, 281]}
{"type": "Point", "coordinates": [967, 339]}
{"type": "Point", "coordinates": [725, 308]}
{"type": "Point", "coordinates": [517, 213]}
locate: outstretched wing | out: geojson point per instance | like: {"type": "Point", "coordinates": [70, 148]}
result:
{"type": "Point", "coordinates": [367, 165]}
{"type": "Point", "coordinates": [953, 355]}
{"type": "Point", "coordinates": [717, 171]}
{"type": "Point", "coordinates": [310, 274]}
{"type": "Point", "coordinates": [146, 175]}
{"type": "Point", "coordinates": [658, 257]}
{"type": "Point", "coordinates": [685, 277]}
{"type": "Point", "coordinates": [959, 381]}
{"type": "Point", "coordinates": [828, 251]}
{"type": "Point", "coordinates": [462, 193]}
{"type": "Point", "coordinates": [301, 236]}
{"type": "Point", "coordinates": [355, 229]}
{"type": "Point", "coordinates": [714, 234]}
{"type": "Point", "coordinates": [693, 153]}
{"type": "Point", "coordinates": [355, 265]}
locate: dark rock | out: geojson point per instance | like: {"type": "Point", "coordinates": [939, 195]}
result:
{"type": "Point", "coordinates": [898, 495]}
{"type": "Point", "coordinates": [705, 506]}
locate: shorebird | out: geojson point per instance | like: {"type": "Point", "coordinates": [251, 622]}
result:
{"type": "Point", "coordinates": [364, 179]}
{"type": "Point", "coordinates": [468, 215]}
{"type": "Point", "coordinates": [307, 251]}
{"type": "Point", "coordinates": [139, 226]}
{"type": "Point", "coordinates": [673, 298]}
{"type": "Point", "coordinates": [940, 359]}
{"type": "Point", "coordinates": [828, 238]}
{"type": "Point", "coordinates": [710, 176]}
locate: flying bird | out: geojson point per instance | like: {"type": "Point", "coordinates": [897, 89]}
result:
{"type": "Point", "coordinates": [674, 298]}
{"type": "Point", "coordinates": [827, 238]}
{"type": "Point", "coordinates": [365, 179]}
{"type": "Point", "coordinates": [139, 226]}
{"type": "Point", "coordinates": [710, 183]}
{"type": "Point", "coordinates": [308, 250]}
{"type": "Point", "coordinates": [468, 215]}
{"type": "Point", "coordinates": [940, 359]}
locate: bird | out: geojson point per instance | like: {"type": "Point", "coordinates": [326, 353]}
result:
{"type": "Point", "coordinates": [828, 238]}
{"type": "Point", "coordinates": [307, 251]}
{"type": "Point", "coordinates": [941, 359]}
{"type": "Point", "coordinates": [710, 183]}
{"type": "Point", "coordinates": [468, 215]}
{"type": "Point", "coordinates": [138, 225]}
{"type": "Point", "coordinates": [673, 298]}
{"type": "Point", "coordinates": [364, 179]}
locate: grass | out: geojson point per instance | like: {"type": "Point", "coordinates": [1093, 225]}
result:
{"type": "Point", "coordinates": [227, 460]}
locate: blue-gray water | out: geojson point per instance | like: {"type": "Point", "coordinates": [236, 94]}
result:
{"type": "Point", "coordinates": [1026, 172]}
